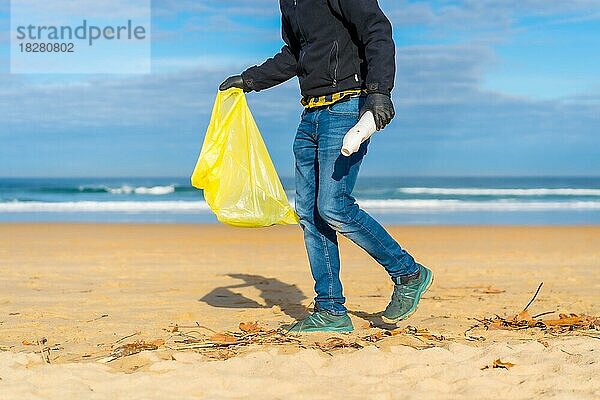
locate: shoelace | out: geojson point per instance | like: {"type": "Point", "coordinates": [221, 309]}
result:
{"type": "Point", "coordinates": [301, 322]}
{"type": "Point", "coordinates": [406, 292]}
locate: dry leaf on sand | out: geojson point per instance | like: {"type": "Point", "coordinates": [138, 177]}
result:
{"type": "Point", "coordinates": [223, 338]}
{"type": "Point", "coordinates": [502, 364]}
{"type": "Point", "coordinates": [573, 320]}
{"type": "Point", "coordinates": [249, 327]}
{"type": "Point", "coordinates": [523, 316]}
{"type": "Point", "coordinates": [492, 290]}
{"type": "Point", "coordinates": [499, 364]}
{"type": "Point", "coordinates": [377, 336]}
{"type": "Point", "coordinates": [420, 332]}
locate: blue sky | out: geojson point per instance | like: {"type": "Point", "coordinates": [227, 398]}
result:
{"type": "Point", "coordinates": [484, 87]}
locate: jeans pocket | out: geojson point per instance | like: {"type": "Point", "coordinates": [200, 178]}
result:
{"type": "Point", "coordinates": [347, 107]}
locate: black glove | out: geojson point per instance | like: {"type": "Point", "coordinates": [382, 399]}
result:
{"type": "Point", "coordinates": [234, 81]}
{"type": "Point", "coordinates": [382, 108]}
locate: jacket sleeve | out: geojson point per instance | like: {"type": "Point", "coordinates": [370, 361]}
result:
{"type": "Point", "coordinates": [374, 30]}
{"type": "Point", "coordinates": [277, 69]}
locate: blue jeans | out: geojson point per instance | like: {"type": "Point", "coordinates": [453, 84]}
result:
{"type": "Point", "coordinates": [324, 183]}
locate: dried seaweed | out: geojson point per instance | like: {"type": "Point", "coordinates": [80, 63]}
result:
{"type": "Point", "coordinates": [523, 320]}
{"type": "Point", "coordinates": [97, 318]}
{"type": "Point", "coordinates": [249, 333]}
{"type": "Point", "coordinates": [337, 343]}
{"type": "Point", "coordinates": [470, 337]}
{"type": "Point", "coordinates": [534, 296]}
{"type": "Point", "coordinates": [128, 336]}
{"type": "Point", "coordinates": [133, 348]}
{"type": "Point", "coordinates": [492, 290]}
{"type": "Point", "coordinates": [44, 349]}
{"type": "Point", "coordinates": [564, 323]}
{"type": "Point", "coordinates": [418, 333]}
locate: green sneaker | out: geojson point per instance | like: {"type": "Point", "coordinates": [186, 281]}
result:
{"type": "Point", "coordinates": [321, 321]}
{"type": "Point", "coordinates": [406, 296]}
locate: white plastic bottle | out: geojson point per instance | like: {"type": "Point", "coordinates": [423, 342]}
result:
{"type": "Point", "coordinates": [360, 132]}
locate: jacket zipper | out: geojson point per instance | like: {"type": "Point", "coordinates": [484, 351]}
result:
{"type": "Point", "coordinates": [337, 61]}
{"type": "Point", "coordinates": [302, 52]}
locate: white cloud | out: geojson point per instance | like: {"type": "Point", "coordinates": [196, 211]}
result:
{"type": "Point", "coordinates": [483, 14]}
{"type": "Point", "coordinates": [158, 101]}
{"type": "Point", "coordinates": [438, 91]}
{"type": "Point", "coordinates": [39, 10]}
{"type": "Point", "coordinates": [264, 8]}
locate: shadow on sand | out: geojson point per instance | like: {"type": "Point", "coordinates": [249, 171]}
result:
{"type": "Point", "coordinates": [274, 293]}
{"type": "Point", "coordinates": [374, 319]}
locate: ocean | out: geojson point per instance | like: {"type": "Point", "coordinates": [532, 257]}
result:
{"type": "Point", "coordinates": [392, 200]}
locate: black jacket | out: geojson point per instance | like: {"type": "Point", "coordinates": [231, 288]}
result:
{"type": "Point", "coordinates": [331, 45]}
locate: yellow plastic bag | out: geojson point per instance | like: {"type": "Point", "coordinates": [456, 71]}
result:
{"type": "Point", "coordinates": [239, 180]}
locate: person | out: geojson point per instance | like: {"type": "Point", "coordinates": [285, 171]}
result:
{"type": "Point", "coordinates": [343, 54]}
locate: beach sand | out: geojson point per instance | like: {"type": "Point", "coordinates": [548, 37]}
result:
{"type": "Point", "coordinates": [88, 288]}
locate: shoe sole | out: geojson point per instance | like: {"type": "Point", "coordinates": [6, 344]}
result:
{"type": "Point", "coordinates": [412, 311]}
{"type": "Point", "coordinates": [342, 330]}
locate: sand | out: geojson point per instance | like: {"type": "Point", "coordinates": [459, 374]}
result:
{"type": "Point", "coordinates": [89, 288]}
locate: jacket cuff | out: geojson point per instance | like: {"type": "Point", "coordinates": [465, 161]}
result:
{"type": "Point", "coordinates": [248, 80]}
{"type": "Point", "coordinates": [376, 87]}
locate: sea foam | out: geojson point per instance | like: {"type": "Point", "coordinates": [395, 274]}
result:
{"type": "Point", "coordinates": [127, 189]}
{"type": "Point", "coordinates": [501, 192]}
{"type": "Point", "coordinates": [390, 205]}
